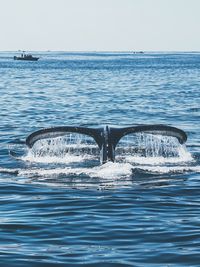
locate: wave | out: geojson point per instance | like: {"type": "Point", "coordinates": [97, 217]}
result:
{"type": "Point", "coordinates": [106, 171]}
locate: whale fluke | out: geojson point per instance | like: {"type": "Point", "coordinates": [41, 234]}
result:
{"type": "Point", "coordinates": [106, 137]}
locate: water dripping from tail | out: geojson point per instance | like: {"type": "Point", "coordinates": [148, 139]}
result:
{"type": "Point", "coordinates": [144, 148]}
{"type": "Point", "coordinates": [72, 147]}
{"type": "Point", "coordinates": [81, 147]}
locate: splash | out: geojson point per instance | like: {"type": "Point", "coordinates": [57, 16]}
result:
{"type": "Point", "coordinates": [106, 171]}
{"type": "Point", "coordinates": [145, 148]}
{"type": "Point", "coordinates": [112, 171]}
{"type": "Point", "coordinates": [138, 148]}
{"type": "Point", "coordinates": [148, 153]}
{"type": "Point", "coordinates": [70, 148]}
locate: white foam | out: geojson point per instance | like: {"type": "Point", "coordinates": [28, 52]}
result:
{"type": "Point", "coordinates": [68, 158]}
{"type": "Point", "coordinates": [170, 169]}
{"type": "Point", "coordinates": [47, 172]}
{"type": "Point", "coordinates": [114, 171]}
{"type": "Point", "coordinates": [108, 170]}
{"type": "Point", "coordinates": [157, 160]}
{"type": "Point", "coordinates": [111, 170]}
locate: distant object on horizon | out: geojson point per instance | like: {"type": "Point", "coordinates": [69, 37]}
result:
{"type": "Point", "coordinates": [138, 52]}
{"type": "Point", "coordinates": [26, 57]}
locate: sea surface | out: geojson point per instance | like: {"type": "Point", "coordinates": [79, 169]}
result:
{"type": "Point", "coordinates": [70, 210]}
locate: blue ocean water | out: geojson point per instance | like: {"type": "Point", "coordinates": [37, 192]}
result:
{"type": "Point", "coordinates": [57, 212]}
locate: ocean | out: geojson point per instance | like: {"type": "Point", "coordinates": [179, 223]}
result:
{"type": "Point", "coordinates": [63, 209]}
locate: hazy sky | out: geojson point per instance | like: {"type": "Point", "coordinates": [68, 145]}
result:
{"type": "Point", "coordinates": [101, 25]}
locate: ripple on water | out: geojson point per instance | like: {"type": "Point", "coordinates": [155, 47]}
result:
{"type": "Point", "coordinates": [74, 212]}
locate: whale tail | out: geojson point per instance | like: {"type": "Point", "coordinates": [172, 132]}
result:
{"type": "Point", "coordinates": [106, 137]}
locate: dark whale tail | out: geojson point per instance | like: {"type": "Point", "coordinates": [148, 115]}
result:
{"type": "Point", "coordinates": [106, 137]}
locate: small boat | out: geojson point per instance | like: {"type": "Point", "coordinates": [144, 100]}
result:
{"type": "Point", "coordinates": [26, 57]}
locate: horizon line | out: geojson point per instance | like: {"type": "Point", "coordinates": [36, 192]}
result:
{"type": "Point", "coordinates": [105, 51]}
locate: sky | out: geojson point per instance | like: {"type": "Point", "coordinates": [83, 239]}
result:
{"type": "Point", "coordinates": [100, 25]}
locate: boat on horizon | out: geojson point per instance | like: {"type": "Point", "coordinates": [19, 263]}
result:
{"type": "Point", "coordinates": [24, 56]}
